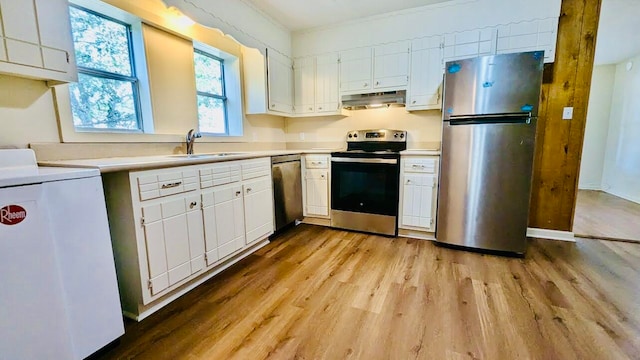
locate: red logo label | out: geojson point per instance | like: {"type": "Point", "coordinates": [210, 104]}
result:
{"type": "Point", "coordinates": [12, 215]}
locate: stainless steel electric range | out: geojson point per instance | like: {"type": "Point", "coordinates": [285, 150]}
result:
{"type": "Point", "coordinates": [365, 181]}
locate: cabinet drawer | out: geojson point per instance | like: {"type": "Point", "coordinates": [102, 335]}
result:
{"type": "Point", "coordinates": [256, 168]}
{"type": "Point", "coordinates": [316, 162]}
{"type": "Point", "coordinates": [219, 175]}
{"type": "Point", "coordinates": [421, 165]}
{"type": "Point", "coordinates": [151, 186]}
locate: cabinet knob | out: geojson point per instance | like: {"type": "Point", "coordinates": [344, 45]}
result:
{"type": "Point", "coordinates": [377, 83]}
{"type": "Point", "coordinates": [238, 193]}
{"type": "Point", "coordinates": [193, 204]}
{"type": "Point", "coordinates": [365, 85]}
{"type": "Point", "coordinates": [322, 176]}
{"type": "Point", "coordinates": [273, 105]}
{"type": "Point", "coordinates": [408, 181]}
{"type": "Point", "coordinates": [249, 190]}
{"type": "Point", "coordinates": [320, 108]}
{"type": "Point", "coordinates": [311, 109]}
{"type": "Point", "coordinates": [413, 102]}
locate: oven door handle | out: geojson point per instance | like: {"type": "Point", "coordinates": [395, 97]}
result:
{"type": "Point", "coordinates": [364, 160]}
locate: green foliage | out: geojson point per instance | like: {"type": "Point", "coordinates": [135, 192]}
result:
{"type": "Point", "coordinates": [104, 96]}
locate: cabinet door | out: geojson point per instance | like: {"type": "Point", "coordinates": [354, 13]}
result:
{"type": "Point", "coordinates": [418, 201]}
{"type": "Point", "coordinates": [356, 71]}
{"type": "Point", "coordinates": [304, 73]}
{"type": "Point", "coordinates": [529, 36]}
{"type": "Point", "coordinates": [317, 192]}
{"type": "Point", "coordinates": [391, 65]}
{"type": "Point", "coordinates": [176, 238]}
{"type": "Point", "coordinates": [426, 74]}
{"type": "Point", "coordinates": [55, 34]}
{"type": "Point", "coordinates": [280, 83]}
{"type": "Point", "coordinates": [258, 209]}
{"type": "Point", "coordinates": [19, 18]}
{"type": "Point", "coordinates": [229, 211]}
{"type": "Point", "coordinates": [327, 83]}
{"type": "Point", "coordinates": [468, 44]}
{"type": "Point", "coordinates": [196, 234]}
{"type": "Point", "coordinates": [210, 228]}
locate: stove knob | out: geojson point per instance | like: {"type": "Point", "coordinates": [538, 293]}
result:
{"type": "Point", "coordinates": [395, 135]}
{"type": "Point", "coordinates": [401, 136]}
{"type": "Point", "coordinates": [355, 135]}
{"type": "Point", "coordinates": [350, 136]}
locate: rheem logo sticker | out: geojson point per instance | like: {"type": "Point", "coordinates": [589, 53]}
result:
{"type": "Point", "coordinates": [12, 215]}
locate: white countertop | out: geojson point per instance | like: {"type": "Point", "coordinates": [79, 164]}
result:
{"type": "Point", "coordinates": [114, 164]}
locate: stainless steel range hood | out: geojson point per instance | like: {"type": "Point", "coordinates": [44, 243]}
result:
{"type": "Point", "coordinates": [374, 100]}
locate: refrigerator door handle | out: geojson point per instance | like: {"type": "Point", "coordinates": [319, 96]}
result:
{"type": "Point", "coordinates": [513, 118]}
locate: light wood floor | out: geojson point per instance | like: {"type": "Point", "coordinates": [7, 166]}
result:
{"type": "Point", "coordinates": [604, 216]}
{"type": "Point", "coordinates": [318, 293]}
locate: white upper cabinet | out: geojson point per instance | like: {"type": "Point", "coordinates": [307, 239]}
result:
{"type": "Point", "coordinates": [304, 84]}
{"type": "Point", "coordinates": [37, 39]}
{"type": "Point", "coordinates": [468, 44]}
{"type": "Point", "coordinates": [268, 82]}
{"type": "Point", "coordinates": [356, 71]}
{"type": "Point", "coordinates": [529, 36]}
{"type": "Point", "coordinates": [280, 82]}
{"type": "Point", "coordinates": [328, 83]}
{"type": "Point", "coordinates": [316, 85]}
{"type": "Point", "coordinates": [424, 91]}
{"type": "Point", "coordinates": [391, 66]}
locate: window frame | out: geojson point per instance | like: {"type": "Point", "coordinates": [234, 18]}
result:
{"type": "Point", "coordinates": [133, 79]}
{"type": "Point", "coordinates": [222, 97]}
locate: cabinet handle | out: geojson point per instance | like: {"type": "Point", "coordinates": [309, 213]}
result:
{"type": "Point", "coordinates": [413, 102]}
{"type": "Point", "coordinates": [311, 109]}
{"type": "Point", "coordinates": [417, 166]}
{"type": "Point", "coordinates": [377, 83]}
{"type": "Point", "coordinates": [320, 108]}
{"type": "Point", "coordinates": [171, 185]}
{"type": "Point", "coordinates": [322, 176]}
{"type": "Point", "coordinates": [193, 204]}
{"type": "Point", "coordinates": [249, 190]}
{"type": "Point", "coordinates": [238, 193]}
{"type": "Point", "coordinates": [273, 105]}
{"type": "Point", "coordinates": [408, 181]}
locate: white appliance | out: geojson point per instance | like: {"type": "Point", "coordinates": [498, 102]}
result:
{"type": "Point", "coordinates": [59, 294]}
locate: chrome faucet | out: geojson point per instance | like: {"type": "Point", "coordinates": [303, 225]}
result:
{"type": "Point", "coordinates": [192, 135]}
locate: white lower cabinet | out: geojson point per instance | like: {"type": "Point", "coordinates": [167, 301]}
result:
{"type": "Point", "coordinates": [316, 185]}
{"type": "Point", "coordinates": [223, 213]}
{"type": "Point", "coordinates": [174, 228]}
{"type": "Point", "coordinates": [418, 193]}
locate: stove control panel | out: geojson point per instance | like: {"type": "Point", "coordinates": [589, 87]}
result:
{"type": "Point", "coordinates": [377, 135]}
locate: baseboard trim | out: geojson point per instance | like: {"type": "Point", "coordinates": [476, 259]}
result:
{"type": "Point", "coordinates": [596, 187]}
{"type": "Point", "coordinates": [623, 196]}
{"type": "Point", "coordinates": [551, 234]}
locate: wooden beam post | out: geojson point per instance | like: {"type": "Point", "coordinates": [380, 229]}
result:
{"type": "Point", "coordinates": [559, 142]}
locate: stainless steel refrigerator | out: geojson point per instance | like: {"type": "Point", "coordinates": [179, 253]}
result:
{"type": "Point", "coordinates": [490, 110]}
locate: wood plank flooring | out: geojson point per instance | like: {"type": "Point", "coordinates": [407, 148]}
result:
{"type": "Point", "coordinates": [604, 216]}
{"type": "Point", "coordinates": [319, 293]}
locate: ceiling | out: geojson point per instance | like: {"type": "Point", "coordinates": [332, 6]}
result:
{"type": "Point", "coordinates": [618, 31]}
{"type": "Point", "coordinates": [305, 14]}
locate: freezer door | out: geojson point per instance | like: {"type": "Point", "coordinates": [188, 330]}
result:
{"type": "Point", "coordinates": [485, 184]}
{"type": "Point", "coordinates": [495, 84]}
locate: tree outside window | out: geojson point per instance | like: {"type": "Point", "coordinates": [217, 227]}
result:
{"type": "Point", "coordinates": [106, 94]}
{"type": "Point", "coordinates": [212, 101]}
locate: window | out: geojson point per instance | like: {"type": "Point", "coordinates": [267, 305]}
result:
{"type": "Point", "coordinates": [212, 101]}
{"type": "Point", "coordinates": [106, 96]}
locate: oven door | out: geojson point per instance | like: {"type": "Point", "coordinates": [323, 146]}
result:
{"type": "Point", "coordinates": [365, 185]}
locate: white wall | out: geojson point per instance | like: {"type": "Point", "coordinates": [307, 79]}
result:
{"type": "Point", "coordinates": [621, 175]}
{"type": "Point", "coordinates": [239, 19]}
{"type": "Point", "coordinates": [595, 136]}
{"type": "Point", "coordinates": [27, 113]}
{"type": "Point", "coordinates": [420, 22]}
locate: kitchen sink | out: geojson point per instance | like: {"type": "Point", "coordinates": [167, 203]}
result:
{"type": "Point", "coordinates": [200, 156]}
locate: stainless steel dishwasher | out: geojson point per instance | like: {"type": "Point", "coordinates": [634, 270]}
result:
{"type": "Point", "coordinates": [287, 189]}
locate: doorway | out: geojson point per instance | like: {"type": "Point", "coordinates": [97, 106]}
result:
{"type": "Point", "coordinates": [608, 201]}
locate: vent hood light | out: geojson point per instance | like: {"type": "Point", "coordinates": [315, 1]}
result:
{"type": "Point", "coordinates": [373, 100]}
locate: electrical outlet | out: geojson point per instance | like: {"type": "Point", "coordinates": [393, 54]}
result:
{"type": "Point", "coordinates": [567, 113]}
